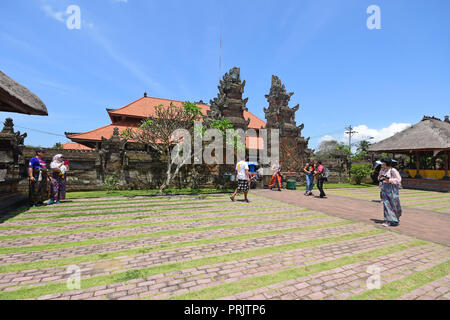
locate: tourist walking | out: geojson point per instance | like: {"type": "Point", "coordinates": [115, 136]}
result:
{"type": "Point", "coordinates": [38, 179]}
{"type": "Point", "coordinates": [309, 170]}
{"type": "Point", "coordinates": [390, 180]}
{"type": "Point", "coordinates": [59, 169]}
{"type": "Point", "coordinates": [243, 179]}
{"type": "Point", "coordinates": [319, 173]}
{"type": "Point", "coordinates": [276, 177]}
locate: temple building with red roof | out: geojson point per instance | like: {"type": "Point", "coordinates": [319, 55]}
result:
{"type": "Point", "coordinates": [131, 116]}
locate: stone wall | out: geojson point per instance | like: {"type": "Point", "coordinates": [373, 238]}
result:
{"type": "Point", "coordinates": [425, 184]}
{"type": "Point", "coordinates": [140, 170]}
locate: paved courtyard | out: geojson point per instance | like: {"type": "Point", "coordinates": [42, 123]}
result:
{"type": "Point", "coordinates": [206, 247]}
{"type": "Point", "coordinates": [426, 200]}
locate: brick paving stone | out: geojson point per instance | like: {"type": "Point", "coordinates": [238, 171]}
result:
{"type": "Point", "coordinates": [427, 225]}
{"type": "Point", "coordinates": [338, 283]}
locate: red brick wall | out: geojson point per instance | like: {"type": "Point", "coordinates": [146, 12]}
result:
{"type": "Point", "coordinates": [423, 184]}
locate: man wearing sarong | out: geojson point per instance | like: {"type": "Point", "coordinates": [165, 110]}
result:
{"type": "Point", "coordinates": [390, 180]}
{"type": "Point", "coordinates": [38, 179]}
{"type": "Point", "coordinates": [276, 177]}
{"type": "Point", "coordinates": [243, 179]}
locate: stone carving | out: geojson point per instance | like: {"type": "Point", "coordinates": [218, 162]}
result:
{"type": "Point", "coordinates": [293, 147]}
{"type": "Point", "coordinates": [112, 155]}
{"type": "Point", "coordinates": [11, 150]}
{"type": "Point", "coordinates": [229, 103]}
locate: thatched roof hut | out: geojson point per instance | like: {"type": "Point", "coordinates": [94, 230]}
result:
{"type": "Point", "coordinates": [431, 134]}
{"type": "Point", "coordinates": [429, 137]}
{"type": "Point", "coordinates": [16, 98]}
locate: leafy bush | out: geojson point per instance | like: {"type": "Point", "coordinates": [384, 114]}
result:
{"type": "Point", "coordinates": [111, 183]}
{"type": "Point", "coordinates": [360, 171]}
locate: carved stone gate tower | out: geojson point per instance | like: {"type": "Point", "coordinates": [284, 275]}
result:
{"type": "Point", "coordinates": [293, 147]}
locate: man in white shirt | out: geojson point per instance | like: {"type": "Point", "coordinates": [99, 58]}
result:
{"type": "Point", "coordinates": [243, 179]}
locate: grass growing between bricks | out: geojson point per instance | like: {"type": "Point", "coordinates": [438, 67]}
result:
{"type": "Point", "coordinates": [147, 211]}
{"type": "Point", "coordinates": [124, 205]}
{"type": "Point", "coordinates": [62, 224]}
{"type": "Point", "coordinates": [132, 203]}
{"type": "Point", "coordinates": [155, 193]}
{"type": "Point", "coordinates": [407, 284]}
{"type": "Point", "coordinates": [150, 224]}
{"type": "Point", "coordinates": [165, 246]}
{"type": "Point", "coordinates": [135, 237]}
{"type": "Point", "coordinates": [37, 291]}
{"type": "Point", "coordinates": [236, 287]}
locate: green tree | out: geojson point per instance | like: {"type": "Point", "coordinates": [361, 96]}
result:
{"type": "Point", "coordinates": [360, 171]}
{"type": "Point", "coordinates": [326, 148]}
{"type": "Point", "coordinates": [158, 132]}
{"type": "Point", "coordinates": [58, 145]}
{"type": "Point", "coordinates": [363, 146]}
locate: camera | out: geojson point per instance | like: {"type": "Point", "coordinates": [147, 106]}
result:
{"type": "Point", "coordinates": [382, 178]}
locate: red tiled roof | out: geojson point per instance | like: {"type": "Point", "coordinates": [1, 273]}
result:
{"type": "Point", "coordinates": [145, 107]}
{"type": "Point", "coordinates": [75, 146]}
{"type": "Point", "coordinates": [97, 134]}
{"type": "Point", "coordinates": [107, 132]}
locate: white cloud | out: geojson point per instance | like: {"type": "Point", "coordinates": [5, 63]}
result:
{"type": "Point", "coordinates": [57, 15]}
{"type": "Point", "coordinates": [366, 133]}
{"type": "Point", "coordinates": [326, 138]}
{"type": "Point", "coordinates": [62, 16]}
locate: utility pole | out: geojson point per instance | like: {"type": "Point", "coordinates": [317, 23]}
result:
{"type": "Point", "coordinates": [350, 132]}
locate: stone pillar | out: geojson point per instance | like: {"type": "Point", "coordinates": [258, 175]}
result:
{"type": "Point", "coordinates": [446, 159]}
{"type": "Point", "coordinates": [418, 166]}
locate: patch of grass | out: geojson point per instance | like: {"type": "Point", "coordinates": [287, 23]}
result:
{"type": "Point", "coordinates": [127, 204]}
{"type": "Point", "coordinates": [37, 291]}
{"type": "Point", "coordinates": [443, 202]}
{"type": "Point", "coordinates": [148, 211]}
{"type": "Point", "coordinates": [407, 284]}
{"type": "Point", "coordinates": [133, 193]}
{"type": "Point", "coordinates": [93, 241]}
{"type": "Point", "coordinates": [340, 186]}
{"type": "Point", "coordinates": [439, 209]}
{"type": "Point", "coordinates": [285, 275]}
{"type": "Point", "coordinates": [131, 226]}
{"type": "Point", "coordinates": [165, 246]}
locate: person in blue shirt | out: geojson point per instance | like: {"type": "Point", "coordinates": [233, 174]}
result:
{"type": "Point", "coordinates": [38, 178]}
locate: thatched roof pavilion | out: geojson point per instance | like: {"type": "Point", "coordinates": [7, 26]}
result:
{"type": "Point", "coordinates": [430, 134]}
{"type": "Point", "coordinates": [430, 137]}
{"type": "Point", "coordinates": [16, 98]}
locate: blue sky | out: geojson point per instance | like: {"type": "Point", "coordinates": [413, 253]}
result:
{"type": "Point", "coordinates": [342, 73]}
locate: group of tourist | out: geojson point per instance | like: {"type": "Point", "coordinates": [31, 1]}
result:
{"type": "Point", "coordinates": [389, 182]}
{"type": "Point", "coordinates": [315, 170]}
{"type": "Point", "coordinates": [47, 184]}
{"type": "Point", "coordinates": [50, 183]}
